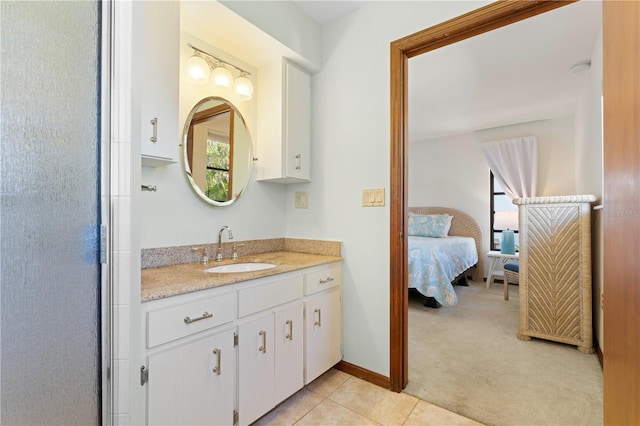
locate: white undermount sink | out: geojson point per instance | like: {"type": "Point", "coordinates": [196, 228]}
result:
{"type": "Point", "coordinates": [241, 267]}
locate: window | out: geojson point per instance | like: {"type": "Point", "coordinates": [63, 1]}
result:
{"type": "Point", "coordinates": [218, 156]}
{"type": "Point", "coordinates": [499, 202]}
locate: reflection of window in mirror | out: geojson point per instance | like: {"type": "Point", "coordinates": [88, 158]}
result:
{"type": "Point", "coordinates": [210, 148]}
{"type": "Point", "coordinates": [218, 150]}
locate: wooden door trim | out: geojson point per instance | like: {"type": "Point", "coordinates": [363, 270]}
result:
{"type": "Point", "coordinates": [484, 19]}
{"type": "Point", "coordinates": [621, 220]}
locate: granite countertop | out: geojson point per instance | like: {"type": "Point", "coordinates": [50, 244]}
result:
{"type": "Point", "coordinates": [166, 281]}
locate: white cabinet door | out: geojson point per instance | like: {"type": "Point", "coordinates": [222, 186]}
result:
{"type": "Point", "coordinates": [289, 362]}
{"type": "Point", "coordinates": [193, 384]}
{"type": "Point", "coordinates": [160, 61]}
{"type": "Point", "coordinates": [256, 356]}
{"type": "Point", "coordinates": [297, 122]}
{"type": "Point", "coordinates": [323, 326]}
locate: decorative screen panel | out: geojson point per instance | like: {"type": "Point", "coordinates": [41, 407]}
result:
{"type": "Point", "coordinates": [553, 273]}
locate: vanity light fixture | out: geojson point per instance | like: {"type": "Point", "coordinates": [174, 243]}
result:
{"type": "Point", "coordinates": [222, 77]}
{"type": "Point", "coordinates": [198, 69]}
{"type": "Point", "coordinates": [202, 66]}
{"type": "Point", "coordinates": [243, 87]}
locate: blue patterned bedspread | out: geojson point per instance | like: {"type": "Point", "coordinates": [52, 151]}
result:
{"type": "Point", "coordinates": [435, 262]}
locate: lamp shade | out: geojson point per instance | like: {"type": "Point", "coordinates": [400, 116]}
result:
{"type": "Point", "coordinates": [221, 77]}
{"type": "Point", "coordinates": [243, 88]}
{"type": "Point", "coordinates": [198, 69]}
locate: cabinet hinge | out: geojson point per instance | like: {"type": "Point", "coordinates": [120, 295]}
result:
{"type": "Point", "coordinates": [235, 417]}
{"type": "Point", "coordinates": [235, 339]}
{"type": "Point", "coordinates": [144, 375]}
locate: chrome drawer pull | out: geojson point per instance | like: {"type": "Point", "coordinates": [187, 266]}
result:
{"type": "Point", "coordinates": [263, 348]}
{"type": "Point", "coordinates": [154, 123]}
{"type": "Point", "coordinates": [216, 369]}
{"type": "Point", "coordinates": [328, 280]}
{"type": "Point", "coordinates": [298, 161]}
{"type": "Point", "coordinates": [205, 315]}
{"type": "Point", "coordinates": [319, 322]}
{"type": "Point", "coordinates": [290, 334]}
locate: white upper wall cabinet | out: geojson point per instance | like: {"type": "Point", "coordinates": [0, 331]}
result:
{"type": "Point", "coordinates": [160, 62]}
{"type": "Point", "coordinates": [284, 123]}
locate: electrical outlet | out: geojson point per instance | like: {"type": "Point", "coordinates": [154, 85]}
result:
{"type": "Point", "coordinates": [302, 200]}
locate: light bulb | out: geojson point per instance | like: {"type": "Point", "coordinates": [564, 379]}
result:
{"type": "Point", "coordinates": [222, 77]}
{"type": "Point", "coordinates": [198, 69]}
{"type": "Point", "coordinates": [243, 88]}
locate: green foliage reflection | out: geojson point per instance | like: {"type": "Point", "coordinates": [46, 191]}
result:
{"type": "Point", "coordinates": [217, 170]}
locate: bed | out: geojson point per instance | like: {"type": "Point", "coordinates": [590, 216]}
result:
{"type": "Point", "coordinates": [434, 264]}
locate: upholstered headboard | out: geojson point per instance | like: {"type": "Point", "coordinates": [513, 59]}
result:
{"type": "Point", "coordinates": [462, 225]}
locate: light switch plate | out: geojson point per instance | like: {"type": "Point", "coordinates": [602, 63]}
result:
{"type": "Point", "coordinates": [302, 200]}
{"type": "Point", "coordinates": [367, 198]}
{"type": "Point", "coordinates": [379, 197]}
{"type": "Point", "coordinates": [373, 197]}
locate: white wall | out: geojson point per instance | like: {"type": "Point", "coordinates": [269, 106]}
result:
{"type": "Point", "coordinates": [589, 129]}
{"type": "Point", "coordinates": [174, 215]}
{"type": "Point", "coordinates": [451, 172]}
{"type": "Point", "coordinates": [556, 151]}
{"type": "Point", "coordinates": [350, 152]}
{"type": "Point", "coordinates": [287, 23]}
{"type": "Point", "coordinates": [589, 172]}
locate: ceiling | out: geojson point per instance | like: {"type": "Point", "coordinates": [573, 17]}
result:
{"type": "Point", "coordinates": [326, 11]}
{"type": "Point", "coordinates": [515, 74]}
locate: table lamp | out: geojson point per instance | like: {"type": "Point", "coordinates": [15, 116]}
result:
{"type": "Point", "coordinates": [507, 221]}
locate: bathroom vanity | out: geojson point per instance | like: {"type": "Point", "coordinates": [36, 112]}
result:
{"type": "Point", "coordinates": [226, 348]}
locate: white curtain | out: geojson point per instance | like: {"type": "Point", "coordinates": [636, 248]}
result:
{"type": "Point", "coordinates": [514, 162]}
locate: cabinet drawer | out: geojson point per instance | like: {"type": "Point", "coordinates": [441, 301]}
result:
{"type": "Point", "coordinates": [255, 299]}
{"type": "Point", "coordinates": [324, 279]}
{"type": "Point", "coordinates": [165, 325]}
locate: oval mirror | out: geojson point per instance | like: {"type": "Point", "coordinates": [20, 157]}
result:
{"type": "Point", "coordinates": [217, 151]}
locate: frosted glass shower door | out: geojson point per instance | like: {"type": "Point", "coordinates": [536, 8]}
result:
{"type": "Point", "coordinates": [50, 358]}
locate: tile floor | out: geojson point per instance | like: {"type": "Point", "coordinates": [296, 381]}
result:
{"type": "Point", "coordinates": [337, 398]}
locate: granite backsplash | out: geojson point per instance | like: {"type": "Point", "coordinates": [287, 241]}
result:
{"type": "Point", "coordinates": [166, 256]}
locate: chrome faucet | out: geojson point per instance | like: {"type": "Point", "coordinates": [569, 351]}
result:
{"type": "Point", "coordinates": [219, 252]}
{"type": "Point", "coordinates": [205, 257]}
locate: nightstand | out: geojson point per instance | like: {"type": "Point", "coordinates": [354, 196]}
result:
{"type": "Point", "coordinates": [495, 258]}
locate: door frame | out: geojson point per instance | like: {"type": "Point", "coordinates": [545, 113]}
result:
{"type": "Point", "coordinates": [478, 21]}
{"type": "Point", "coordinates": [108, 168]}
{"type": "Point", "coordinates": [621, 219]}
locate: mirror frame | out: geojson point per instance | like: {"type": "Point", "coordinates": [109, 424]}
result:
{"type": "Point", "coordinates": [185, 154]}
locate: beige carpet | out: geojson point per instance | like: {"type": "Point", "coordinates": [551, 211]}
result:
{"type": "Point", "coordinates": [468, 359]}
